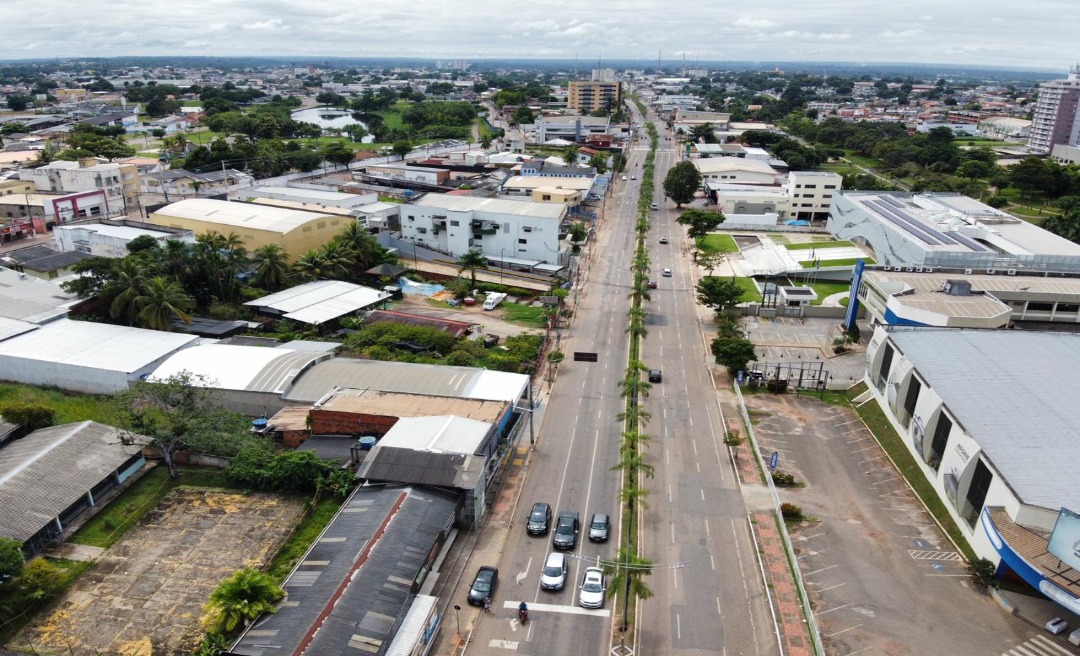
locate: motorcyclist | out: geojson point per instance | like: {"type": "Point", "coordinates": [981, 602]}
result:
{"type": "Point", "coordinates": [523, 611]}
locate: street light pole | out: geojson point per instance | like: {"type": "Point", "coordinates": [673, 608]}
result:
{"type": "Point", "coordinates": [502, 265]}
{"type": "Point", "coordinates": [457, 619]}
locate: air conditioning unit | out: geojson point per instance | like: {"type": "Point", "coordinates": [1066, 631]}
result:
{"type": "Point", "coordinates": [918, 269]}
{"type": "Point", "coordinates": [967, 272]}
{"type": "Point", "coordinates": [1011, 272]}
{"type": "Point", "coordinates": [886, 268]}
{"type": "Point", "coordinates": [929, 269]}
{"type": "Point", "coordinates": [910, 269]}
{"type": "Point", "coordinates": [991, 271]}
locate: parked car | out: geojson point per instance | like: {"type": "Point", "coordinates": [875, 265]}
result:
{"type": "Point", "coordinates": [539, 519]}
{"type": "Point", "coordinates": [484, 585]}
{"type": "Point", "coordinates": [652, 284]}
{"type": "Point", "coordinates": [666, 273]}
{"type": "Point", "coordinates": [592, 588]}
{"type": "Point", "coordinates": [599, 527]}
{"type": "Point", "coordinates": [654, 206]}
{"type": "Point", "coordinates": [1057, 626]}
{"type": "Point", "coordinates": [566, 530]}
{"type": "Point", "coordinates": [656, 376]}
{"type": "Point", "coordinates": [553, 576]}
{"type": "Point", "coordinates": [633, 177]}
{"type": "Point", "coordinates": [663, 240]}
{"type": "Point", "coordinates": [624, 178]}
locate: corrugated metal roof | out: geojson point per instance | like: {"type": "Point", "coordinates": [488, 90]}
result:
{"type": "Point", "coordinates": [397, 465]}
{"type": "Point", "coordinates": [398, 404]}
{"type": "Point", "coordinates": [412, 627]}
{"type": "Point", "coordinates": [95, 345]}
{"type": "Point", "coordinates": [13, 327]}
{"type": "Point", "coordinates": [32, 299]}
{"type": "Point", "coordinates": [493, 205]}
{"type": "Point", "coordinates": [1006, 388]}
{"type": "Point", "coordinates": [47, 471]}
{"type": "Point", "coordinates": [320, 301]}
{"type": "Point", "coordinates": [235, 367]}
{"type": "Point", "coordinates": [441, 434]}
{"type": "Point", "coordinates": [238, 215]}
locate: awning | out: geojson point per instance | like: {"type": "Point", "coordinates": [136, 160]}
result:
{"type": "Point", "coordinates": [549, 268]}
{"type": "Point", "coordinates": [514, 261]}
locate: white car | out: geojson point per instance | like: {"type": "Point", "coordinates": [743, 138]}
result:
{"type": "Point", "coordinates": [592, 588]}
{"type": "Point", "coordinates": [553, 576]}
{"type": "Point", "coordinates": [1057, 626]}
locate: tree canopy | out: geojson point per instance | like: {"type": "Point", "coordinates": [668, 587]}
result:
{"type": "Point", "coordinates": [682, 182]}
{"type": "Point", "coordinates": [699, 222]}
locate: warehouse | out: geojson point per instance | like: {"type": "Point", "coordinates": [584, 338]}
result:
{"type": "Point", "coordinates": [997, 443]}
{"type": "Point", "coordinates": [296, 231]}
{"type": "Point", "coordinates": [81, 356]}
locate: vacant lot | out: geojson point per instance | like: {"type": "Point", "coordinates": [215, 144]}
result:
{"type": "Point", "coordinates": [145, 595]}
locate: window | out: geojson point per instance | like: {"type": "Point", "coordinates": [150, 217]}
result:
{"type": "Point", "coordinates": [826, 195]}
{"type": "Point", "coordinates": [798, 186]}
{"type": "Point", "coordinates": [320, 225]}
{"type": "Point", "coordinates": [807, 205]}
{"type": "Point", "coordinates": [1068, 307]}
{"type": "Point", "coordinates": [1040, 307]}
{"type": "Point", "coordinates": [523, 241]}
{"type": "Point", "coordinates": [412, 218]}
{"type": "Point", "coordinates": [454, 224]}
{"type": "Point", "coordinates": [422, 231]}
{"type": "Point", "coordinates": [830, 186]}
{"type": "Point", "coordinates": [813, 186]}
{"type": "Point", "coordinates": [527, 229]}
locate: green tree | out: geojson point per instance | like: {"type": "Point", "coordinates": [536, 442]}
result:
{"type": "Point", "coordinates": [125, 288]}
{"type": "Point", "coordinates": [161, 301]}
{"type": "Point", "coordinates": [239, 600]}
{"type": "Point", "coordinates": [599, 162]}
{"type": "Point", "coordinates": [733, 352]}
{"type": "Point", "coordinates": [471, 261]}
{"type": "Point", "coordinates": [699, 222]}
{"type": "Point", "coordinates": [365, 249]}
{"type": "Point", "coordinates": [355, 131]}
{"type": "Point", "coordinates": [1029, 175]}
{"type": "Point", "coordinates": [522, 116]}
{"type": "Point", "coordinates": [338, 153]}
{"type": "Point", "coordinates": [18, 102]}
{"type": "Point", "coordinates": [271, 267]}
{"type": "Point", "coordinates": [31, 416]}
{"type": "Point", "coordinates": [720, 294]}
{"type": "Point", "coordinates": [12, 559]}
{"type": "Point", "coordinates": [628, 573]}
{"type": "Point", "coordinates": [682, 182]}
{"type": "Point", "coordinates": [704, 133]}
{"type": "Point", "coordinates": [401, 148]}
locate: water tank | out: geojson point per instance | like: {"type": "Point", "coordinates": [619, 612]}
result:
{"type": "Point", "coordinates": [367, 442]}
{"type": "Point", "coordinates": [259, 424]}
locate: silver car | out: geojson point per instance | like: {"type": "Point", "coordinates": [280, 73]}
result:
{"type": "Point", "coordinates": [553, 576]}
{"type": "Point", "coordinates": [592, 588]}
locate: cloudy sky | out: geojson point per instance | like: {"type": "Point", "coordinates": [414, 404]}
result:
{"type": "Point", "coordinates": [1037, 34]}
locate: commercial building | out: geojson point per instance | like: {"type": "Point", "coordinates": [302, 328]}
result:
{"type": "Point", "coordinates": [120, 182]}
{"type": "Point", "coordinates": [568, 191]}
{"type": "Point", "coordinates": [1005, 127]}
{"type": "Point", "coordinates": [996, 442]}
{"type": "Point", "coordinates": [51, 477]}
{"type": "Point", "coordinates": [30, 300]}
{"type": "Point", "coordinates": [181, 183]}
{"type": "Point", "coordinates": [45, 210]}
{"type": "Point", "coordinates": [811, 193]}
{"type": "Point", "coordinates": [1056, 119]}
{"type": "Point", "coordinates": [506, 230]}
{"type": "Point", "coordinates": [110, 238]}
{"type": "Point", "coordinates": [42, 261]}
{"type": "Point", "coordinates": [949, 231]}
{"type": "Point", "coordinates": [736, 170]}
{"type": "Point", "coordinates": [589, 96]}
{"type": "Point", "coordinates": [400, 173]}
{"type": "Point", "coordinates": [1063, 154]}
{"type": "Point", "coordinates": [296, 231]}
{"type": "Point", "coordinates": [575, 129]}
{"type": "Point", "coordinates": [313, 198]}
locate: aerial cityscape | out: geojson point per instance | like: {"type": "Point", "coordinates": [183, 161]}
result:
{"type": "Point", "coordinates": [594, 330]}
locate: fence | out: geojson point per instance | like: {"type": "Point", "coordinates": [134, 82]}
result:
{"type": "Point", "coordinates": [804, 599]}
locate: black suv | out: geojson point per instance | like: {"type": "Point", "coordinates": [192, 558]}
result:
{"type": "Point", "coordinates": [566, 530]}
{"type": "Point", "coordinates": [539, 519]}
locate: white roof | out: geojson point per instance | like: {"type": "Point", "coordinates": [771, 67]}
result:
{"type": "Point", "coordinates": [12, 327]}
{"type": "Point", "coordinates": [31, 299]}
{"type": "Point", "coordinates": [1010, 392]}
{"type": "Point", "coordinates": [310, 194]}
{"type": "Point", "coordinates": [441, 434]}
{"type": "Point", "coordinates": [538, 182]}
{"type": "Point", "coordinates": [495, 205]}
{"type": "Point", "coordinates": [715, 164]}
{"type": "Point", "coordinates": [320, 301]}
{"type": "Point", "coordinates": [120, 232]}
{"type": "Point", "coordinates": [240, 215]}
{"type": "Point", "coordinates": [95, 345]}
{"type": "Point", "coordinates": [235, 367]}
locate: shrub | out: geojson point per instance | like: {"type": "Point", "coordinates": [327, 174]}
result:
{"type": "Point", "coordinates": [460, 358]}
{"type": "Point", "coordinates": [783, 479]}
{"type": "Point", "coordinates": [982, 572]}
{"type": "Point", "coordinates": [777, 385]}
{"type": "Point", "coordinates": [791, 511]}
{"type": "Point", "coordinates": [31, 416]}
{"type": "Point", "coordinates": [41, 580]}
{"type": "Point", "coordinates": [732, 438]}
{"type": "Point", "coordinates": [12, 560]}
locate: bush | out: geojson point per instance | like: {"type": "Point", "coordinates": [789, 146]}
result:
{"type": "Point", "coordinates": [460, 358]}
{"type": "Point", "coordinates": [732, 438]}
{"type": "Point", "coordinates": [791, 511]}
{"type": "Point", "coordinates": [31, 416]}
{"type": "Point", "coordinates": [12, 560]}
{"type": "Point", "coordinates": [783, 479]}
{"type": "Point", "coordinates": [982, 572]}
{"type": "Point", "coordinates": [290, 471]}
{"type": "Point", "coordinates": [777, 385]}
{"type": "Point", "coordinates": [41, 580]}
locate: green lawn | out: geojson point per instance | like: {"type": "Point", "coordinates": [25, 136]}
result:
{"type": "Point", "coordinates": [302, 538]}
{"type": "Point", "coordinates": [106, 527]}
{"type": "Point", "coordinates": [834, 263]}
{"type": "Point", "coordinates": [392, 117]}
{"type": "Point", "coordinates": [824, 289]}
{"type": "Point", "coordinates": [750, 290]}
{"type": "Point", "coordinates": [204, 137]}
{"type": "Point", "coordinates": [69, 407]}
{"type": "Point", "coordinates": [717, 244]}
{"type": "Point", "coordinates": [806, 246]}
{"type": "Point", "coordinates": [868, 162]}
{"type": "Point", "coordinates": [191, 103]}
{"type": "Point", "coordinates": [525, 314]}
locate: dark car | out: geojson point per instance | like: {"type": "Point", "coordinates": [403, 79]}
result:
{"type": "Point", "coordinates": [566, 530]}
{"type": "Point", "coordinates": [539, 519]}
{"type": "Point", "coordinates": [652, 284]}
{"type": "Point", "coordinates": [484, 585]}
{"type": "Point", "coordinates": [599, 527]}
{"type": "Point", "coordinates": [656, 376]}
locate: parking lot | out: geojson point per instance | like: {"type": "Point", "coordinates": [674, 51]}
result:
{"type": "Point", "coordinates": [793, 341]}
{"type": "Point", "coordinates": [882, 577]}
{"type": "Point", "coordinates": [145, 594]}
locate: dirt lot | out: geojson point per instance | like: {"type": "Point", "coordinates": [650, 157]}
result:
{"type": "Point", "coordinates": [144, 597]}
{"type": "Point", "coordinates": [491, 321]}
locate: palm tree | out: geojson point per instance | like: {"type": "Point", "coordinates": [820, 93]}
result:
{"type": "Point", "coordinates": [627, 572]}
{"type": "Point", "coordinates": [271, 267]}
{"type": "Point", "coordinates": [340, 259]}
{"type": "Point", "coordinates": [310, 266]}
{"type": "Point", "coordinates": [175, 260]}
{"type": "Point", "coordinates": [240, 599]}
{"type": "Point", "coordinates": [162, 301]}
{"type": "Point", "coordinates": [125, 288]}
{"type": "Point", "coordinates": [470, 261]}
{"type": "Point", "coordinates": [366, 251]}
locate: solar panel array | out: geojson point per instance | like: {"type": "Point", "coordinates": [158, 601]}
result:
{"type": "Point", "coordinates": [967, 241]}
{"type": "Point", "coordinates": [894, 211]}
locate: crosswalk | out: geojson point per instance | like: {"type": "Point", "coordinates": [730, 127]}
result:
{"type": "Point", "coordinates": [1040, 646]}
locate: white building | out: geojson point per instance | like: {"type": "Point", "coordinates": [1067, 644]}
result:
{"type": "Point", "coordinates": [736, 170]}
{"type": "Point", "coordinates": [811, 193]}
{"type": "Point", "coordinates": [316, 198]}
{"type": "Point", "coordinates": [503, 229]}
{"type": "Point", "coordinates": [70, 177]}
{"type": "Point", "coordinates": [997, 443]}
{"type": "Point", "coordinates": [1056, 119]}
{"type": "Point", "coordinates": [574, 129]}
{"type": "Point", "coordinates": [110, 239]}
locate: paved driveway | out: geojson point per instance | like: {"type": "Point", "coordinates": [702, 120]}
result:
{"type": "Point", "coordinates": [882, 577]}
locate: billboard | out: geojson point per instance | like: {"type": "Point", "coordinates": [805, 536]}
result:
{"type": "Point", "coordinates": [1065, 540]}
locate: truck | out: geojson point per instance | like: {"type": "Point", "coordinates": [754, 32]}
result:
{"type": "Point", "coordinates": [493, 299]}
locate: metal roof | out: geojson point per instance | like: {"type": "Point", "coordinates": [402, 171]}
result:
{"type": "Point", "coordinates": [47, 471]}
{"type": "Point", "coordinates": [402, 465]}
{"type": "Point", "coordinates": [32, 299]}
{"type": "Point", "coordinates": [1008, 391]}
{"type": "Point", "coordinates": [320, 301]}
{"type": "Point", "coordinates": [398, 404]}
{"type": "Point", "coordinates": [438, 434]}
{"type": "Point", "coordinates": [497, 205]}
{"type": "Point", "coordinates": [13, 327]}
{"type": "Point", "coordinates": [440, 380]}
{"type": "Point", "coordinates": [234, 367]}
{"type": "Point", "coordinates": [354, 587]}
{"type": "Point", "coordinates": [95, 345]}
{"type": "Point", "coordinates": [238, 215]}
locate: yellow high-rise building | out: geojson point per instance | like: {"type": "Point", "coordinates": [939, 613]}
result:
{"type": "Point", "coordinates": [588, 96]}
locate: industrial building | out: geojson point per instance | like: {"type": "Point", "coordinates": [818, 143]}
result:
{"type": "Point", "coordinates": [314, 198]}
{"type": "Point", "coordinates": [951, 231]}
{"type": "Point", "coordinates": [990, 427]}
{"type": "Point", "coordinates": [110, 238]}
{"type": "Point", "coordinates": [32, 300]}
{"type": "Point", "coordinates": [49, 478]}
{"type": "Point", "coordinates": [296, 231]}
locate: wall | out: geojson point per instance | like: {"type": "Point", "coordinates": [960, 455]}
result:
{"type": "Point", "coordinates": [66, 376]}
{"type": "Point", "coordinates": [296, 242]}
{"type": "Point", "coordinates": [331, 422]}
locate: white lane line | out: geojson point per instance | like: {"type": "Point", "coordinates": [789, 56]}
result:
{"type": "Point", "coordinates": [503, 644]}
{"type": "Point", "coordinates": [693, 444]}
{"type": "Point", "coordinates": [712, 561]}
{"type": "Point", "coordinates": [557, 608]}
{"type": "Point", "coordinates": [719, 611]}
{"type": "Point", "coordinates": [521, 575]}
{"type": "Point", "coordinates": [702, 494]}
{"type": "Point", "coordinates": [697, 463]}
{"type": "Point", "coordinates": [673, 533]}
{"type": "Point", "coordinates": [818, 571]}
{"type": "Point", "coordinates": [833, 587]}
{"type": "Point", "coordinates": [851, 628]}
{"type": "Point", "coordinates": [678, 627]}
{"type": "Point", "coordinates": [832, 609]}
{"type": "Point", "coordinates": [669, 499]}
{"type": "Point", "coordinates": [707, 534]}
{"type": "Point", "coordinates": [675, 578]}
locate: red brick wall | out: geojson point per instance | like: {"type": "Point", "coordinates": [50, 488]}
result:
{"type": "Point", "coordinates": [330, 422]}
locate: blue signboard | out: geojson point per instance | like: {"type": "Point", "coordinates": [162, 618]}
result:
{"type": "Point", "coordinates": [853, 298]}
{"type": "Point", "coordinates": [774, 460]}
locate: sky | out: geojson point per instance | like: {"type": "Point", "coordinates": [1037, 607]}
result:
{"type": "Point", "coordinates": [1030, 34]}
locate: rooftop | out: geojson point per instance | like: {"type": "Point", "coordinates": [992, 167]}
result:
{"type": "Point", "coordinates": [116, 231]}
{"type": "Point", "coordinates": [437, 434]}
{"type": "Point", "coordinates": [320, 301]}
{"type": "Point", "coordinates": [312, 194]}
{"type": "Point", "coordinates": [498, 205]}
{"type": "Point", "coordinates": [238, 215]}
{"type": "Point", "coordinates": [718, 164]}
{"type": "Point", "coordinates": [249, 368]}
{"type": "Point", "coordinates": [95, 345]}
{"type": "Point", "coordinates": [1023, 422]}
{"type": "Point", "coordinates": [47, 471]}
{"type": "Point", "coordinates": [402, 404]}
{"type": "Point", "coordinates": [540, 182]}
{"type": "Point", "coordinates": [32, 299]}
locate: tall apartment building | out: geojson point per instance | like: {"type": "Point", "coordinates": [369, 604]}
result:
{"type": "Point", "coordinates": [1056, 119]}
{"type": "Point", "coordinates": [589, 96]}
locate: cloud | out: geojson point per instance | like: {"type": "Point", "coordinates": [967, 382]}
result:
{"type": "Point", "coordinates": [269, 25]}
{"type": "Point", "coordinates": [756, 23]}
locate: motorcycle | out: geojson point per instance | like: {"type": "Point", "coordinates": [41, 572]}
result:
{"type": "Point", "coordinates": [523, 615]}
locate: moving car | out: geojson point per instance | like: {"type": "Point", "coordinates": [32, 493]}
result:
{"type": "Point", "coordinates": [633, 177]}
{"type": "Point", "coordinates": [553, 576]}
{"type": "Point", "coordinates": [656, 376]}
{"type": "Point", "coordinates": [566, 530]}
{"type": "Point", "coordinates": [654, 206]}
{"type": "Point", "coordinates": [652, 284]}
{"type": "Point", "coordinates": [484, 585]}
{"type": "Point", "coordinates": [663, 240]}
{"type": "Point", "coordinates": [539, 519]}
{"type": "Point", "coordinates": [624, 178]}
{"type": "Point", "coordinates": [592, 588]}
{"type": "Point", "coordinates": [599, 527]}
{"type": "Point", "coordinates": [666, 273]}
{"type": "Point", "coordinates": [1057, 626]}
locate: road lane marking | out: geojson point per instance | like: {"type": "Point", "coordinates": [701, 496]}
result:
{"type": "Point", "coordinates": [669, 500]}
{"type": "Point", "coordinates": [558, 608]}
{"type": "Point", "coordinates": [693, 444]}
{"type": "Point", "coordinates": [712, 561]}
{"type": "Point", "coordinates": [503, 644]}
{"type": "Point", "coordinates": [678, 627]}
{"type": "Point", "coordinates": [673, 533]}
{"type": "Point", "coordinates": [702, 494]}
{"type": "Point", "coordinates": [707, 534]}
{"type": "Point", "coordinates": [719, 611]}
{"type": "Point", "coordinates": [521, 575]}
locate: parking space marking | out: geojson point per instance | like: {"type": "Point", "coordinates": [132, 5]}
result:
{"type": "Point", "coordinates": [832, 609]}
{"type": "Point", "coordinates": [818, 571]}
{"type": "Point", "coordinates": [850, 628]}
{"type": "Point", "coordinates": [833, 587]}
{"type": "Point", "coordinates": [934, 555]}
{"type": "Point", "coordinates": [804, 538]}
{"type": "Point", "coordinates": [865, 448]}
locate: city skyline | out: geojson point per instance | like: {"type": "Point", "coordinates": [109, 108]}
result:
{"type": "Point", "coordinates": [1035, 35]}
